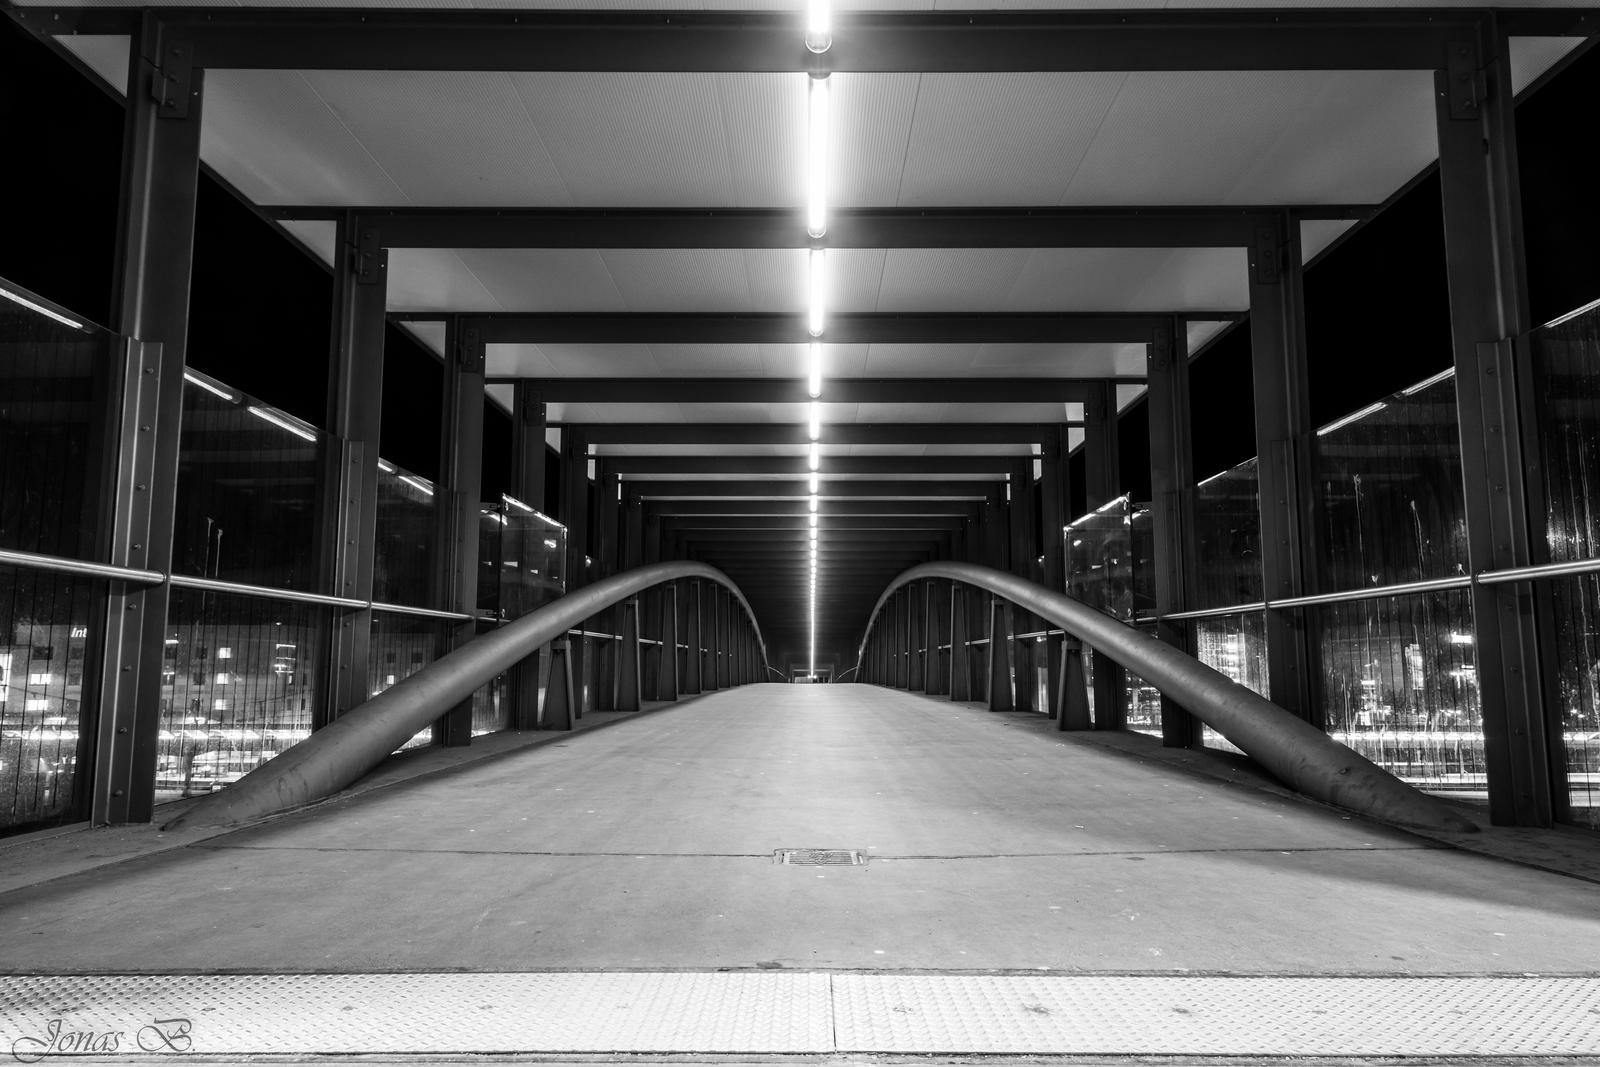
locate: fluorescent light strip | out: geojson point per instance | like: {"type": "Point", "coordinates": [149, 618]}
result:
{"type": "Point", "coordinates": [814, 371]}
{"type": "Point", "coordinates": [813, 503]}
{"type": "Point", "coordinates": [815, 483]}
{"type": "Point", "coordinates": [817, 291]}
{"type": "Point", "coordinates": [817, 123]}
{"type": "Point", "coordinates": [18, 298]}
{"type": "Point", "coordinates": [1354, 416]}
{"type": "Point", "coordinates": [283, 424]}
{"type": "Point", "coordinates": [208, 387]}
{"type": "Point", "coordinates": [385, 466]}
{"type": "Point", "coordinates": [1568, 317]}
{"type": "Point", "coordinates": [816, 455]}
{"type": "Point", "coordinates": [813, 516]}
{"type": "Point", "coordinates": [814, 420]}
{"type": "Point", "coordinates": [1429, 382]}
{"type": "Point", "coordinates": [819, 26]}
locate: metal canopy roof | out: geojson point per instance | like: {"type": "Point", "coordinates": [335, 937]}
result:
{"type": "Point", "coordinates": [621, 192]}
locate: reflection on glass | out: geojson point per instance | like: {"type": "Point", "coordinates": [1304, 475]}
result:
{"type": "Point", "coordinates": [249, 482]}
{"type": "Point", "coordinates": [1143, 702]}
{"type": "Point", "coordinates": [401, 646]}
{"type": "Point", "coordinates": [1235, 646]}
{"type": "Point", "coordinates": [1099, 554]}
{"type": "Point", "coordinates": [1399, 685]}
{"type": "Point", "coordinates": [43, 706]}
{"type": "Point", "coordinates": [491, 711]}
{"type": "Point", "coordinates": [1567, 370]}
{"type": "Point", "coordinates": [1389, 485]}
{"type": "Point", "coordinates": [521, 556]}
{"type": "Point", "coordinates": [1227, 526]}
{"type": "Point", "coordinates": [239, 685]}
{"type": "Point", "coordinates": [49, 415]}
{"type": "Point", "coordinates": [408, 527]}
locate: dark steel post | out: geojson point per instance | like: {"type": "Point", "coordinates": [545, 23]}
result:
{"type": "Point", "coordinates": [1172, 495]}
{"type": "Point", "coordinates": [1074, 690]}
{"type": "Point", "coordinates": [916, 631]}
{"type": "Point", "coordinates": [1024, 558]}
{"type": "Point", "coordinates": [1500, 457]}
{"type": "Point", "coordinates": [1284, 442]}
{"type": "Point", "coordinates": [457, 501]}
{"type": "Point", "coordinates": [574, 515]}
{"type": "Point", "coordinates": [355, 412]}
{"type": "Point", "coordinates": [998, 662]}
{"type": "Point", "coordinates": [710, 679]}
{"type": "Point", "coordinates": [667, 666]}
{"type": "Point", "coordinates": [561, 695]}
{"type": "Point", "coordinates": [160, 168]}
{"type": "Point", "coordinates": [692, 659]}
{"type": "Point", "coordinates": [628, 682]}
{"type": "Point", "coordinates": [528, 447]}
{"type": "Point", "coordinates": [1054, 505]}
{"type": "Point", "coordinates": [1102, 484]}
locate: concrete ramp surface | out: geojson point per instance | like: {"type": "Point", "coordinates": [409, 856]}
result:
{"type": "Point", "coordinates": [1018, 891]}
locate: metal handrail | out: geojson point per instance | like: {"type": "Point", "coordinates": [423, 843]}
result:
{"type": "Point", "coordinates": [1302, 756]}
{"type": "Point", "coordinates": [1503, 576]}
{"type": "Point", "coordinates": [357, 741]}
{"type": "Point", "coordinates": [63, 565]}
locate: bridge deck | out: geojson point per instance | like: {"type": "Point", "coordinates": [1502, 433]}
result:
{"type": "Point", "coordinates": [994, 843]}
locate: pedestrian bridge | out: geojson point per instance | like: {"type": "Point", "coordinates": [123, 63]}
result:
{"type": "Point", "coordinates": [1019, 890]}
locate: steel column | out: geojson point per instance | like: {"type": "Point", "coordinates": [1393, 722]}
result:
{"type": "Point", "coordinates": [605, 564]}
{"type": "Point", "coordinates": [629, 693]}
{"type": "Point", "coordinates": [457, 502]}
{"type": "Point", "coordinates": [667, 652]}
{"type": "Point", "coordinates": [1172, 495]}
{"type": "Point", "coordinates": [1102, 484]}
{"type": "Point", "coordinates": [960, 652]}
{"type": "Point", "coordinates": [997, 656]}
{"type": "Point", "coordinates": [528, 449]}
{"type": "Point", "coordinates": [355, 411]}
{"type": "Point", "coordinates": [574, 499]}
{"type": "Point", "coordinates": [160, 167]}
{"type": "Point", "coordinates": [1285, 439]}
{"type": "Point", "coordinates": [916, 633]}
{"type": "Point", "coordinates": [1500, 458]}
{"type": "Point", "coordinates": [693, 663]}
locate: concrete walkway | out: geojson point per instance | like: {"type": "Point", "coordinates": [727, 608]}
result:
{"type": "Point", "coordinates": [995, 844]}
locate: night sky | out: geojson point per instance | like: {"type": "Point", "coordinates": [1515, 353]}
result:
{"type": "Point", "coordinates": [1377, 316]}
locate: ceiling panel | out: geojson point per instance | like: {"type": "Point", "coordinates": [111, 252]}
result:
{"type": "Point", "coordinates": [948, 279]}
{"type": "Point", "coordinates": [1318, 234]}
{"type": "Point", "coordinates": [430, 335]}
{"type": "Point", "coordinates": [721, 361]}
{"type": "Point", "coordinates": [422, 279]}
{"type": "Point", "coordinates": [504, 395]}
{"type": "Point", "coordinates": [1532, 56]}
{"type": "Point", "coordinates": [683, 279]}
{"type": "Point", "coordinates": [601, 361]}
{"type": "Point", "coordinates": [1061, 360]}
{"type": "Point", "coordinates": [872, 116]}
{"type": "Point", "coordinates": [546, 279]}
{"type": "Point", "coordinates": [999, 139]}
{"type": "Point", "coordinates": [839, 5]}
{"type": "Point", "coordinates": [445, 137]}
{"type": "Point", "coordinates": [527, 361]}
{"type": "Point", "coordinates": [317, 235]}
{"type": "Point", "coordinates": [1201, 333]}
{"type": "Point", "coordinates": [665, 140]}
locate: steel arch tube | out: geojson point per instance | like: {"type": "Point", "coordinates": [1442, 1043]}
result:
{"type": "Point", "coordinates": [353, 744]}
{"type": "Point", "coordinates": [1298, 754]}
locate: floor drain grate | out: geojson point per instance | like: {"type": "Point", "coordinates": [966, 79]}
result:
{"type": "Point", "coordinates": [821, 857]}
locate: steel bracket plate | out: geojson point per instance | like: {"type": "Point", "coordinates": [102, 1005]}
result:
{"type": "Point", "coordinates": [1465, 83]}
{"type": "Point", "coordinates": [172, 79]}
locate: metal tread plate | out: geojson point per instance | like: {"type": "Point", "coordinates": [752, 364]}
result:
{"type": "Point", "coordinates": [763, 1012]}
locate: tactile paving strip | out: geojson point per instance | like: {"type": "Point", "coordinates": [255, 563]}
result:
{"type": "Point", "coordinates": [1218, 1016]}
{"type": "Point", "coordinates": [760, 1012]}
{"type": "Point", "coordinates": [426, 1013]}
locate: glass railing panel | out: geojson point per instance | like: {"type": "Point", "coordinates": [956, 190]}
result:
{"type": "Point", "coordinates": [401, 645]}
{"type": "Point", "coordinates": [1567, 372]}
{"type": "Point", "coordinates": [1388, 481]}
{"type": "Point", "coordinates": [45, 713]}
{"type": "Point", "coordinates": [1227, 527]}
{"type": "Point", "coordinates": [491, 710]}
{"type": "Point", "coordinates": [1235, 646]}
{"type": "Point", "coordinates": [533, 551]}
{"type": "Point", "coordinates": [54, 368]}
{"type": "Point", "coordinates": [1576, 604]}
{"type": "Point", "coordinates": [1399, 685]}
{"type": "Point", "coordinates": [1099, 555]}
{"type": "Point", "coordinates": [1566, 357]}
{"type": "Point", "coordinates": [250, 479]}
{"type": "Point", "coordinates": [240, 682]}
{"type": "Point", "coordinates": [408, 530]}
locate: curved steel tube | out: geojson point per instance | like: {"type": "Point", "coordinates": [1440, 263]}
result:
{"type": "Point", "coordinates": [353, 744]}
{"type": "Point", "coordinates": [1300, 755]}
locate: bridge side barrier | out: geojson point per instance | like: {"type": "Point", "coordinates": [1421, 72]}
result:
{"type": "Point", "coordinates": [356, 742]}
{"type": "Point", "coordinates": [1297, 753]}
